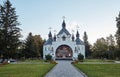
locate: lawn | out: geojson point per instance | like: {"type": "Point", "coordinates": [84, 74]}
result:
{"type": "Point", "coordinates": [25, 70]}
{"type": "Point", "coordinates": [100, 70]}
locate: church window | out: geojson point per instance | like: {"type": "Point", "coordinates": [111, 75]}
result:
{"type": "Point", "coordinates": [75, 49]}
{"type": "Point", "coordinates": [63, 38]}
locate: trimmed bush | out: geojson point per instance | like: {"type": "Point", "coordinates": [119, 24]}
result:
{"type": "Point", "coordinates": [48, 57]}
{"type": "Point", "coordinates": [80, 57]}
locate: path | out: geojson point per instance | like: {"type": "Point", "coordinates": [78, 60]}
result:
{"type": "Point", "coordinates": [64, 69]}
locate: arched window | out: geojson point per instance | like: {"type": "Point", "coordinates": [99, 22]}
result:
{"type": "Point", "coordinates": [63, 38]}
{"type": "Point", "coordinates": [76, 50]}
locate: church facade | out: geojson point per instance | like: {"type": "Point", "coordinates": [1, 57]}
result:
{"type": "Point", "coordinates": [64, 45]}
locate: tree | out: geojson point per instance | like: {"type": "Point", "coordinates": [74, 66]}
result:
{"type": "Point", "coordinates": [33, 46]}
{"type": "Point", "coordinates": [87, 45]}
{"type": "Point", "coordinates": [100, 48]}
{"type": "Point", "coordinates": [38, 44]}
{"type": "Point", "coordinates": [111, 46]}
{"type": "Point", "coordinates": [29, 48]}
{"type": "Point", "coordinates": [117, 53]}
{"type": "Point", "coordinates": [9, 30]}
{"type": "Point", "coordinates": [118, 31]}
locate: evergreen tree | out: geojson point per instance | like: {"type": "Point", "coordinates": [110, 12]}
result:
{"type": "Point", "coordinates": [9, 30]}
{"type": "Point", "coordinates": [29, 48]}
{"type": "Point", "coordinates": [118, 31]}
{"type": "Point", "coordinates": [87, 45]}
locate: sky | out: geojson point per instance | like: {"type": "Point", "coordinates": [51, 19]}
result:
{"type": "Point", "coordinates": [96, 17]}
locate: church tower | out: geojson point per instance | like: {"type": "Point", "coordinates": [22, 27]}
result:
{"type": "Point", "coordinates": [63, 45]}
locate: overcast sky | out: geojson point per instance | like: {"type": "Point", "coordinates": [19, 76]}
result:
{"type": "Point", "coordinates": [96, 17]}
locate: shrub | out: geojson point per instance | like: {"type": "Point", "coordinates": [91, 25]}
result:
{"type": "Point", "coordinates": [48, 57]}
{"type": "Point", "coordinates": [80, 57]}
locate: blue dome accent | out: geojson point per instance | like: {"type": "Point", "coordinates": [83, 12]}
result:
{"type": "Point", "coordinates": [64, 30]}
{"type": "Point", "coordinates": [79, 42]}
{"type": "Point", "coordinates": [49, 41]}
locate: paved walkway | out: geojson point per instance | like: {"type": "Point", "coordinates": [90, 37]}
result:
{"type": "Point", "coordinates": [64, 69]}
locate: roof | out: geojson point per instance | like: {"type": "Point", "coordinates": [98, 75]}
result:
{"type": "Point", "coordinates": [48, 42]}
{"type": "Point", "coordinates": [79, 42]}
{"type": "Point", "coordinates": [63, 30]}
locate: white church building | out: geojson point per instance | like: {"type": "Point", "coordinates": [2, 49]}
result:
{"type": "Point", "coordinates": [64, 45]}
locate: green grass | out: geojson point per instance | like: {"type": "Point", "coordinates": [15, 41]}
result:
{"type": "Point", "coordinates": [100, 70]}
{"type": "Point", "coordinates": [25, 70]}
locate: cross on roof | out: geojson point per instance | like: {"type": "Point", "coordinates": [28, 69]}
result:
{"type": "Point", "coordinates": [63, 17]}
{"type": "Point", "coordinates": [50, 28]}
{"type": "Point", "coordinates": [77, 27]}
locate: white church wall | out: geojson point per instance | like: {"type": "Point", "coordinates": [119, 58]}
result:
{"type": "Point", "coordinates": [71, 44]}
{"type": "Point", "coordinates": [60, 40]}
{"type": "Point", "coordinates": [47, 49]}
{"type": "Point", "coordinates": [68, 43]}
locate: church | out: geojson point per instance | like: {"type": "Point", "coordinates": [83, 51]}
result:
{"type": "Point", "coordinates": [64, 45]}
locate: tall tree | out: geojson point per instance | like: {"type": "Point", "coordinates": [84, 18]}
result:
{"type": "Point", "coordinates": [9, 30]}
{"type": "Point", "coordinates": [118, 31]}
{"type": "Point", "coordinates": [87, 45]}
{"type": "Point", "coordinates": [111, 46]}
{"type": "Point", "coordinates": [110, 42]}
{"type": "Point", "coordinates": [29, 48]}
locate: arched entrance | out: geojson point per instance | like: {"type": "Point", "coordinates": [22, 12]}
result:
{"type": "Point", "coordinates": [64, 52]}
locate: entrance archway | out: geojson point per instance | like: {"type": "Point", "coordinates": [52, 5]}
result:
{"type": "Point", "coordinates": [64, 52]}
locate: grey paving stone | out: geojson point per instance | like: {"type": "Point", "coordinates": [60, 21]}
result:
{"type": "Point", "coordinates": [64, 69]}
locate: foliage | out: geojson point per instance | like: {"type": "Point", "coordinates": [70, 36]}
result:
{"type": "Point", "coordinates": [100, 48]}
{"type": "Point", "coordinates": [33, 46]}
{"type": "Point", "coordinates": [117, 54]}
{"type": "Point", "coordinates": [87, 45]}
{"type": "Point", "coordinates": [9, 30]}
{"type": "Point", "coordinates": [118, 31]}
{"type": "Point", "coordinates": [48, 57]}
{"type": "Point", "coordinates": [100, 70]}
{"type": "Point", "coordinates": [29, 49]}
{"type": "Point", "coordinates": [80, 57]}
{"type": "Point", "coordinates": [25, 70]}
{"type": "Point", "coordinates": [38, 44]}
